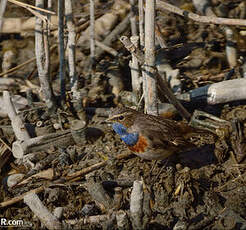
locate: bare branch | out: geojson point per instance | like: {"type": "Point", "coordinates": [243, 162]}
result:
{"type": "Point", "coordinates": [204, 19]}
{"type": "Point", "coordinates": [27, 6]}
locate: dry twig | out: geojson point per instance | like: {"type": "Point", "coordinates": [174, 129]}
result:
{"type": "Point", "coordinates": [19, 198]}
{"type": "Point", "coordinates": [37, 207]}
{"type": "Point", "coordinates": [28, 6]}
{"type": "Point", "coordinates": [204, 19]}
{"type": "Point", "coordinates": [17, 124]}
{"type": "Point", "coordinates": [84, 171]}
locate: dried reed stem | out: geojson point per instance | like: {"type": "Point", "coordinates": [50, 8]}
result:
{"type": "Point", "coordinates": [92, 32]}
{"type": "Point", "coordinates": [61, 49]}
{"type": "Point", "coordinates": [150, 90]}
{"type": "Point", "coordinates": [43, 60]}
{"type": "Point", "coordinates": [71, 45]}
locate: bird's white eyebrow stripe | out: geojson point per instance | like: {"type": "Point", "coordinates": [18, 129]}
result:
{"type": "Point", "coordinates": [118, 115]}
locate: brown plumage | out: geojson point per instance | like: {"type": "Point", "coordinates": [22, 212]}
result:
{"type": "Point", "coordinates": [156, 137]}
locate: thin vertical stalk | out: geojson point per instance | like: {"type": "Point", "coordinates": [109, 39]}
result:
{"type": "Point", "coordinates": [141, 37]}
{"type": "Point", "coordinates": [61, 49]}
{"type": "Point", "coordinates": [135, 74]}
{"type": "Point", "coordinates": [136, 205]}
{"type": "Point", "coordinates": [2, 10]}
{"type": "Point", "coordinates": [141, 23]}
{"type": "Point", "coordinates": [49, 7]}
{"type": "Point", "coordinates": [133, 18]}
{"type": "Point", "coordinates": [92, 32]}
{"type": "Point", "coordinates": [159, 37]}
{"type": "Point", "coordinates": [71, 49]}
{"type": "Point", "coordinates": [43, 59]}
{"type": "Point", "coordinates": [231, 47]}
{"type": "Point", "coordinates": [150, 90]}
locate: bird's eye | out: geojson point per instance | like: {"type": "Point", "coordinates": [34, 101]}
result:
{"type": "Point", "coordinates": [121, 118]}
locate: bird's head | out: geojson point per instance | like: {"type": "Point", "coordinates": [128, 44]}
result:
{"type": "Point", "coordinates": [123, 115]}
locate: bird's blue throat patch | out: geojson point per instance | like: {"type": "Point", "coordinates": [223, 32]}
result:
{"type": "Point", "coordinates": [129, 138]}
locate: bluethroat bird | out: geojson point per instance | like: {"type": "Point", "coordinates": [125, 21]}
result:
{"type": "Point", "coordinates": [151, 137]}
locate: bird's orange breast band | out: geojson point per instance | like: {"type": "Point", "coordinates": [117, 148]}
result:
{"type": "Point", "coordinates": [140, 146]}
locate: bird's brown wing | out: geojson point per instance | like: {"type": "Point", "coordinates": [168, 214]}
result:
{"type": "Point", "coordinates": [161, 132]}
